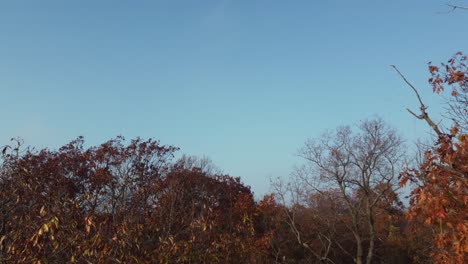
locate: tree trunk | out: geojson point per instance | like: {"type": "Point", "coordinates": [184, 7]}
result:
{"type": "Point", "coordinates": [359, 253]}
{"type": "Point", "coordinates": [370, 251]}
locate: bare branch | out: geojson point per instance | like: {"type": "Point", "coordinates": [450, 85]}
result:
{"type": "Point", "coordinates": [452, 9]}
{"type": "Point", "coordinates": [423, 115]}
{"type": "Point", "coordinates": [412, 87]}
{"type": "Point", "coordinates": [457, 6]}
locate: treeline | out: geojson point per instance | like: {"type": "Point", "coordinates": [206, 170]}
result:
{"type": "Point", "coordinates": [124, 203]}
{"type": "Point", "coordinates": [135, 203]}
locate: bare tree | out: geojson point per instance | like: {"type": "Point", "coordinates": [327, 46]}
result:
{"type": "Point", "coordinates": [204, 163]}
{"type": "Point", "coordinates": [363, 166]}
{"type": "Point", "coordinates": [457, 109]}
{"type": "Point", "coordinates": [309, 218]}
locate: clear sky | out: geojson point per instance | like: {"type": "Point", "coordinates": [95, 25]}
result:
{"type": "Point", "coordinates": [243, 82]}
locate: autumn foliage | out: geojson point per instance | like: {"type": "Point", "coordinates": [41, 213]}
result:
{"type": "Point", "coordinates": [124, 203]}
{"type": "Point", "coordinates": [440, 196]}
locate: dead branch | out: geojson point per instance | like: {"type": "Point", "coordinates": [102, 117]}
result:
{"type": "Point", "coordinates": [423, 116]}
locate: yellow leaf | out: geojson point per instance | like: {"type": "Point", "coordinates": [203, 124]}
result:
{"type": "Point", "coordinates": [45, 227]}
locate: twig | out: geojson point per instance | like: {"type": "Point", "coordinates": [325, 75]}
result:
{"type": "Point", "coordinates": [457, 6]}
{"type": "Point", "coordinates": [453, 8]}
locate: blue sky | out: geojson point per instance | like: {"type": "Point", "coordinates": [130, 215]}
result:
{"type": "Point", "coordinates": [243, 82]}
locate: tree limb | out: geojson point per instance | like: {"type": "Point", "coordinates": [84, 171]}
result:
{"type": "Point", "coordinates": [422, 107]}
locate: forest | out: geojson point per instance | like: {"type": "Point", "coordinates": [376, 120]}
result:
{"type": "Point", "coordinates": [363, 193]}
{"type": "Point", "coordinates": [133, 202]}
